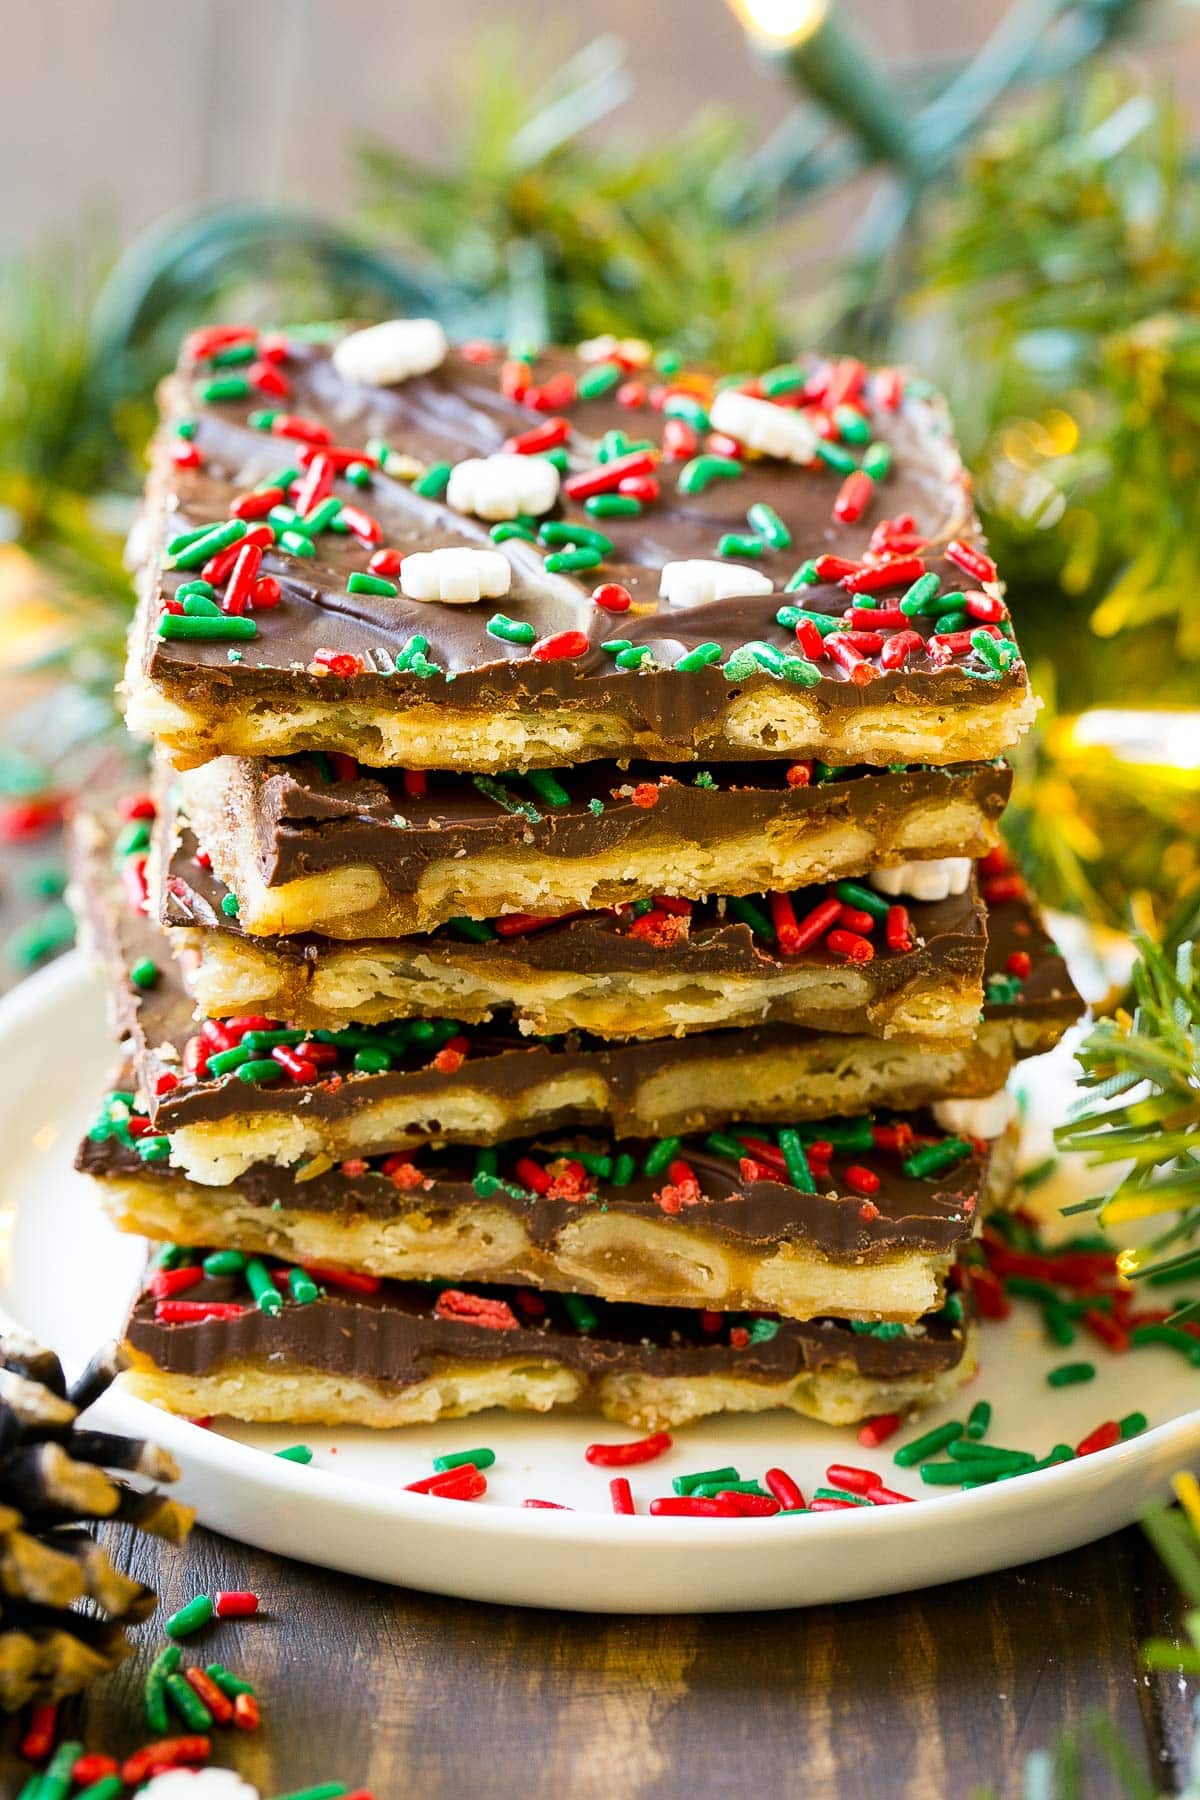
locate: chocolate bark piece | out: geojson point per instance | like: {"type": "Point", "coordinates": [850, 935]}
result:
{"type": "Point", "coordinates": [359, 856]}
{"type": "Point", "coordinates": [721, 1221]}
{"type": "Point", "coordinates": [426, 684]}
{"type": "Point", "coordinates": [410, 1353]}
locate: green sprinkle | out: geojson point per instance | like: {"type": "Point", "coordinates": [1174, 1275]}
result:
{"type": "Point", "coordinates": [799, 1173]}
{"type": "Point", "coordinates": [824, 624]}
{"type": "Point", "coordinates": [836, 456]}
{"type": "Point", "coordinates": [225, 387]}
{"type": "Point", "coordinates": [921, 596]}
{"type": "Point", "coordinates": [864, 898]}
{"type": "Point", "coordinates": [991, 1456]}
{"type": "Point", "coordinates": [787, 378]}
{"type": "Point", "coordinates": [283, 517]}
{"type": "Point", "coordinates": [189, 1618]}
{"type": "Point", "coordinates": [224, 1262]}
{"type": "Point", "coordinates": [229, 905]}
{"type": "Point", "coordinates": [557, 456]}
{"type": "Point", "coordinates": [323, 516]}
{"type": "Point", "coordinates": [799, 670]}
{"type": "Point", "coordinates": [750, 913]}
{"type": "Point", "coordinates": [660, 1155]}
{"type": "Point", "coordinates": [44, 936]}
{"type": "Point", "coordinates": [154, 1695]}
{"type": "Point", "coordinates": [705, 1490]}
{"type": "Point", "coordinates": [764, 520]}
{"type": "Point", "coordinates": [187, 1703]}
{"type": "Point", "coordinates": [434, 482]}
{"type": "Point", "coordinates": [326, 1790]}
{"type": "Point", "coordinates": [230, 1684]}
{"type": "Point", "coordinates": [262, 418]}
{"type": "Point", "coordinates": [599, 380]}
{"type": "Point", "coordinates": [199, 589]}
{"type": "Point", "coordinates": [297, 1453]}
{"type": "Point", "coordinates": [632, 656]}
{"type": "Point", "coordinates": [372, 584]}
{"type": "Point", "coordinates": [304, 1289]}
{"type": "Point", "coordinates": [735, 543]}
{"type": "Point", "coordinates": [267, 1297]}
{"type": "Point", "coordinates": [145, 974]}
{"type": "Point", "coordinates": [805, 576]}
{"type": "Point", "coordinates": [547, 787]}
{"type": "Point", "coordinates": [474, 930]}
{"type": "Point", "coordinates": [55, 1781]}
{"type": "Point", "coordinates": [978, 1419]}
{"type": "Point", "coordinates": [928, 1445]}
{"type": "Point", "coordinates": [493, 790]}
{"type": "Point", "coordinates": [581, 1312]}
{"type": "Point", "coordinates": [623, 1170]}
{"type": "Point", "coordinates": [186, 429]}
{"type": "Point", "coordinates": [564, 562]}
{"type": "Point", "coordinates": [877, 461]}
{"type": "Point", "coordinates": [687, 408]}
{"type": "Point", "coordinates": [563, 533]}
{"type": "Point", "coordinates": [223, 1062]}
{"type": "Point", "coordinates": [612, 506]}
{"type": "Point", "coordinates": [997, 653]}
{"type": "Point", "coordinates": [195, 547]}
{"type": "Point", "coordinates": [1170, 1337]}
{"type": "Point", "coordinates": [199, 606]}
{"type": "Point", "coordinates": [953, 621]}
{"type": "Point", "coordinates": [699, 658]}
{"type": "Point", "coordinates": [612, 445]}
{"type": "Point", "coordinates": [935, 1159]}
{"type": "Point", "coordinates": [260, 1068]}
{"type": "Point", "coordinates": [1132, 1424]}
{"type": "Point", "coordinates": [1069, 1374]}
{"type": "Point", "coordinates": [852, 427]}
{"type": "Point", "coordinates": [832, 1493]}
{"type": "Point", "coordinates": [687, 1484]}
{"type": "Point", "coordinates": [297, 543]}
{"type": "Point", "coordinates": [702, 471]}
{"type": "Point", "coordinates": [953, 1474]}
{"type": "Point", "coordinates": [511, 631]}
{"type": "Point", "coordinates": [482, 1458]}
{"type": "Point", "coordinates": [372, 1062]}
{"type": "Point", "coordinates": [206, 629]}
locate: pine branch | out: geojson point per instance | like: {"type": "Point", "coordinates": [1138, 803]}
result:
{"type": "Point", "coordinates": [1140, 1105]}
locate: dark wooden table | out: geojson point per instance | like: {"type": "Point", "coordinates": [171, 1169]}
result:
{"type": "Point", "coordinates": [940, 1694]}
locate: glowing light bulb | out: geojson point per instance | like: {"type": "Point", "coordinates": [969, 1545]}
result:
{"type": "Point", "coordinates": [780, 23]}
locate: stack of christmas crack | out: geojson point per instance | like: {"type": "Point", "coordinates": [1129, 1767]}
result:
{"type": "Point", "coordinates": [566, 956]}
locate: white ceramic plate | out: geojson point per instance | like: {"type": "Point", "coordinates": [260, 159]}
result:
{"type": "Point", "coordinates": [66, 1275]}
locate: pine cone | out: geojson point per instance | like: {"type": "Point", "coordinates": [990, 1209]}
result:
{"type": "Point", "coordinates": [54, 1477]}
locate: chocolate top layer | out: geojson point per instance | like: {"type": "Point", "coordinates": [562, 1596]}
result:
{"type": "Point", "coordinates": [311, 815]}
{"type": "Point", "coordinates": [458, 412]}
{"type": "Point", "coordinates": [406, 1331]}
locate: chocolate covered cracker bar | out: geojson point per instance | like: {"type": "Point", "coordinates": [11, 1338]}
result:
{"type": "Point", "coordinates": [322, 846]}
{"type": "Point", "coordinates": [462, 562]}
{"type": "Point", "coordinates": [408, 1354]}
{"type": "Point", "coordinates": [860, 1216]}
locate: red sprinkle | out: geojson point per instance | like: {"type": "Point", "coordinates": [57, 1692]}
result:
{"type": "Point", "coordinates": [622, 1456]}
{"type": "Point", "coordinates": [897, 571]}
{"type": "Point", "coordinates": [796, 935]}
{"type": "Point", "coordinates": [749, 1506]}
{"type": "Point", "coordinates": [622, 1495]}
{"type": "Point", "coordinates": [611, 597]}
{"type": "Point", "coordinates": [26, 818]}
{"type": "Point", "coordinates": [1103, 1438]}
{"type": "Point", "coordinates": [246, 1715]}
{"type": "Point", "coordinates": [38, 1741]}
{"type": "Point", "coordinates": [93, 1767]}
{"type": "Point", "coordinates": [848, 944]}
{"type": "Point", "coordinates": [609, 475]}
{"type": "Point", "coordinates": [385, 562]}
{"type": "Point", "coordinates": [165, 1753]}
{"type": "Point", "coordinates": [204, 342]}
{"type": "Point", "coordinates": [1019, 963]}
{"type": "Point", "coordinates": [235, 1603]}
{"type": "Point", "coordinates": [492, 1315]}
{"type": "Point", "coordinates": [265, 593]}
{"type": "Point", "coordinates": [561, 646]}
{"type": "Point", "coordinates": [861, 1179]}
{"type": "Point", "coordinates": [640, 487]}
{"type": "Point", "coordinates": [897, 650]}
{"type": "Point", "coordinates": [971, 561]}
{"type": "Point", "coordinates": [886, 1496]}
{"type": "Point", "coordinates": [191, 1312]}
{"type": "Point", "coordinates": [834, 568]}
{"type": "Point", "coordinates": [854, 497]}
{"type": "Point", "coordinates": [353, 1280]}
{"type": "Point", "coordinates": [548, 1505]}
{"type": "Point", "coordinates": [898, 930]}
{"type": "Point", "coordinates": [219, 1704]}
{"type": "Point", "coordinates": [853, 1479]}
{"type": "Point", "coordinates": [878, 1430]}
{"type": "Point", "coordinates": [164, 1284]}
{"type": "Point", "coordinates": [810, 640]}
{"type": "Point", "coordinates": [848, 656]}
{"type": "Point", "coordinates": [690, 1506]}
{"type": "Point", "coordinates": [541, 437]}
{"type": "Point", "coordinates": [783, 1488]}
{"type": "Point", "coordinates": [799, 774]}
